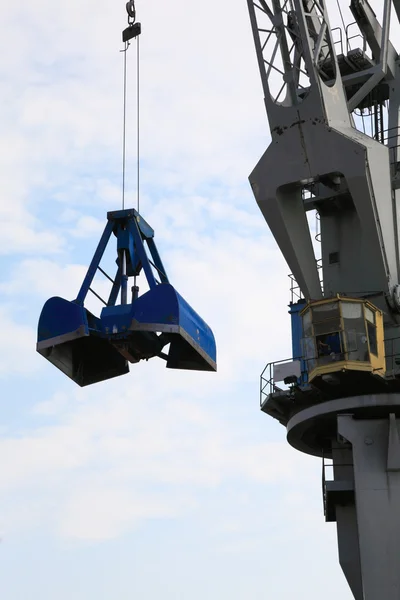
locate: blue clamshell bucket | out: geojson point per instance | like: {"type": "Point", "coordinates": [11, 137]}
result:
{"type": "Point", "coordinates": [159, 323]}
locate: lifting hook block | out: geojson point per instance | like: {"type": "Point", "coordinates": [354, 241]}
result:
{"type": "Point", "coordinates": [130, 9]}
{"type": "Point", "coordinates": [131, 32]}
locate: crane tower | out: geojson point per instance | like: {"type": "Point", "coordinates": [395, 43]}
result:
{"type": "Point", "coordinates": [332, 95]}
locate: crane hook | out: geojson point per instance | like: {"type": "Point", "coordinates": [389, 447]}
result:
{"type": "Point", "coordinates": [134, 28]}
{"type": "Point", "coordinates": [131, 10]}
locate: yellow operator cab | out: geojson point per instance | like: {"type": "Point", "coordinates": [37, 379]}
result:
{"type": "Point", "coordinates": [342, 336]}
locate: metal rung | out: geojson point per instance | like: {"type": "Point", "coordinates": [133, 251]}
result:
{"type": "Point", "coordinates": [106, 275]}
{"type": "Point", "coordinates": [157, 269]}
{"type": "Point", "coordinates": [97, 296]}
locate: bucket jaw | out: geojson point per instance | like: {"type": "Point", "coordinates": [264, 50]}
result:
{"type": "Point", "coordinates": [89, 349]}
{"type": "Point", "coordinates": [192, 343]}
{"type": "Point", "coordinates": [69, 337]}
{"type": "Point", "coordinates": [158, 318]}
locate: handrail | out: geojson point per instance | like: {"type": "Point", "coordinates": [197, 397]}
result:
{"type": "Point", "coordinates": [392, 356]}
{"type": "Point", "coordinates": [295, 291]}
{"type": "Point", "coordinates": [357, 35]}
{"type": "Point", "coordinates": [340, 40]}
{"type": "Point", "coordinates": [268, 386]}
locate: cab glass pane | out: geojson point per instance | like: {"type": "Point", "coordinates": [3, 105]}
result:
{"type": "Point", "coordinates": [328, 326]}
{"type": "Point", "coordinates": [309, 352]}
{"type": "Point", "coordinates": [307, 324]}
{"type": "Point", "coordinates": [326, 318]}
{"type": "Point", "coordinates": [351, 310]}
{"type": "Point", "coordinates": [308, 347]}
{"type": "Point", "coordinates": [355, 334]}
{"type": "Point", "coordinates": [369, 315]}
{"type": "Point", "coordinates": [373, 344]}
{"type": "Point", "coordinates": [325, 311]}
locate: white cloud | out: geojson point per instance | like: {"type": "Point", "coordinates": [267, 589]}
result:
{"type": "Point", "coordinates": [87, 226]}
{"type": "Point", "coordinates": [100, 512]}
{"type": "Point", "coordinates": [16, 344]}
{"type": "Point", "coordinates": [45, 278]}
{"type": "Point", "coordinates": [114, 462]}
{"type": "Point", "coordinates": [18, 238]}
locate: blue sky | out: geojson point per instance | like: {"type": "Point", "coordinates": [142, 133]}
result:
{"type": "Point", "coordinates": [157, 483]}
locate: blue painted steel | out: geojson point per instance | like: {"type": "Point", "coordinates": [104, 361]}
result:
{"type": "Point", "coordinates": [161, 309]}
{"type": "Point", "coordinates": [141, 252]}
{"type": "Point", "coordinates": [90, 349]}
{"type": "Point", "coordinates": [157, 261]}
{"type": "Point", "coordinates": [59, 318]}
{"type": "Point", "coordinates": [144, 227]}
{"type": "Point", "coordinates": [115, 288]}
{"type": "Point", "coordinates": [69, 337]}
{"type": "Point", "coordinates": [297, 336]}
{"type": "Point", "coordinates": [87, 282]}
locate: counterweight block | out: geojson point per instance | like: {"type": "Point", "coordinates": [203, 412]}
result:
{"type": "Point", "coordinates": [90, 349]}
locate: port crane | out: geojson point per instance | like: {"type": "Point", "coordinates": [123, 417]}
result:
{"type": "Point", "coordinates": [332, 96]}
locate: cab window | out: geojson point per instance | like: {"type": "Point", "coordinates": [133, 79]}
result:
{"type": "Point", "coordinates": [370, 319]}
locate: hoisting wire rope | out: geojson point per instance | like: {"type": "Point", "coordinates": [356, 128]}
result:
{"type": "Point", "coordinates": [133, 31]}
{"type": "Point", "coordinates": [124, 127]}
{"type": "Point", "coordinates": [127, 35]}
{"type": "Point", "coordinates": [138, 118]}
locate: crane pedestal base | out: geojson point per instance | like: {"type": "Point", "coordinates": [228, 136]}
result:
{"type": "Point", "coordinates": [362, 437]}
{"type": "Point", "coordinates": [312, 429]}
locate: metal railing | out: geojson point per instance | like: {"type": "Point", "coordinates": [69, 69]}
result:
{"type": "Point", "coordinates": [391, 139]}
{"type": "Point", "coordinates": [338, 42]}
{"type": "Point", "coordinates": [392, 357]}
{"type": "Point", "coordinates": [295, 291]}
{"type": "Point", "coordinates": [268, 385]}
{"type": "Point", "coordinates": [348, 38]}
{"type": "Point", "coordinates": [325, 466]}
{"type": "Point", "coordinates": [357, 35]}
{"type": "Point", "coordinates": [328, 478]}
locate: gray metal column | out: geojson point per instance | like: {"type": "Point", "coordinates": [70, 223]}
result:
{"type": "Point", "coordinates": [375, 449]}
{"type": "Point", "coordinates": [346, 522]}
